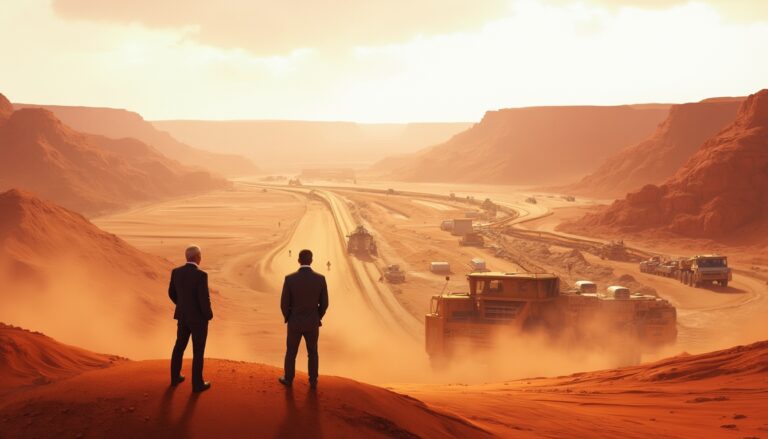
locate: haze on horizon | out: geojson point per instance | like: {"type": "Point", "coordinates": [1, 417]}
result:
{"type": "Point", "coordinates": [394, 61]}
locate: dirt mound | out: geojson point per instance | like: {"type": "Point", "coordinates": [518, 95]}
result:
{"type": "Point", "coordinates": [117, 124]}
{"type": "Point", "coordinates": [30, 358]}
{"type": "Point", "coordinates": [88, 173]}
{"type": "Point", "coordinates": [6, 108]}
{"type": "Point", "coordinates": [721, 191]}
{"type": "Point", "coordinates": [517, 146]}
{"type": "Point", "coordinates": [65, 276]}
{"type": "Point", "coordinates": [133, 400]}
{"type": "Point", "coordinates": [660, 156]}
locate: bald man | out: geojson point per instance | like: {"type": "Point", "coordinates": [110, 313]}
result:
{"type": "Point", "coordinates": [189, 291]}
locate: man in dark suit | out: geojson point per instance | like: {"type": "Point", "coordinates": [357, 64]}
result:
{"type": "Point", "coordinates": [303, 302]}
{"type": "Point", "coordinates": [189, 291]}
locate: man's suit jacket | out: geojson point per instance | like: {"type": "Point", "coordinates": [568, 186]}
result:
{"type": "Point", "coordinates": [304, 299]}
{"type": "Point", "coordinates": [189, 291]}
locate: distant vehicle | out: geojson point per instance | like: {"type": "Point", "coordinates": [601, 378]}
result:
{"type": "Point", "coordinates": [478, 264]}
{"type": "Point", "coordinates": [617, 292]}
{"type": "Point", "coordinates": [361, 242]}
{"type": "Point", "coordinates": [472, 214]}
{"type": "Point", "coordinates": [616, 251]}
{"type": "Point", "coordinates": [393, 274]}
{"type": "Point", "coordinates": [585, 287]}
{"type": "Point", "coordinates": [391, 191]}
{"type": "Point", "coordinates": [705, 269]}
{"type": "Point", "coordinates": [531, 200]}
{"type": "Point", "coordinates": [294, 182]}
{"type": "Point", "coordinates": [447, 225]}
{"type": "Point", "coordinates": [440, 267]}
{"type": "Point", "coordinates": [649, 266]}
{"type": "Point", "coordinates": [462, 226]}
{"type": "Point", "coordinates": [570, 198]}
{"type": "Point", "coordinates": [459, 322]}
{"type": "Point", "coordinates": [473, 239]}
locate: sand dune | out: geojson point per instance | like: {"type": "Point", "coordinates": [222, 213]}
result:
{"type": "Point", "coordinates": [119, 124]}
{"type": "Point", "coordinates": [717, 394]}
{"type": "Point", "coordinates": [536, 145]}
{"type": "Point", "coordinates": [85, 172]}
{"type": "Point", "coordinates": [657, 158]}
{"type": "Point", "coordinates": [720, 192]}
{"type": "Point", "coordinates": [132, 399]}
{"type": "Point", "coordinates": [32, 359]}
{"type": "Point", "coordinates": [64, 276]}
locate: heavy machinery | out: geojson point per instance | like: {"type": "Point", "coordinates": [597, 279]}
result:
{"type": "Point", "coordinates": [649, 266]}
{"type": "Point", "coordinates": [462, 226]}
{"type": "Point", "coordinates": [524, 302]}
{"type": "Point", "coordinates": [361, 242]}
{"type": "Point", "coordinates": [615, 251]}
{"type": "Point", "coordinates": [393, 274]}
{"type": "Point", "coordinates": [705, 269]}
{"type": "Point", "coordinates": [473, 239]}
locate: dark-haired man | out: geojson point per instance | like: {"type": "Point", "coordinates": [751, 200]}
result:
{"type": "Point", "coordinates": [303, 302]}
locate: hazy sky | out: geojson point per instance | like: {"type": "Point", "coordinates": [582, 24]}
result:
{"type": "Point", "coordinates": [376, 60]}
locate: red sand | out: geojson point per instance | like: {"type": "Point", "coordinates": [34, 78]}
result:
{"type": "Point", "coordinates": [32, 359]}
{"type": "Point", "coordinates": [63, 275]}
{"type": "Point", "coordinates": [537, 145]}
{"type": "Point", "coordinates": [717, 394]}
{"type": "Point", "coordinates": [133, 399]}
{"type": "Point", "coordinates": [721, 191]}
{"type": "Point", "coordinates": [657, 158]}
{"type": "Point", "coordinates": [85, 172]}
{"type": "Point", "coordinates": [118, 124]}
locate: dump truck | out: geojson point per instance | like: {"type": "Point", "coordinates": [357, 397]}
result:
{"type": "Point", "coordinates": [703, 270]}
{"type": "Point", "coordinates": [393, 274]}
{"type": "Point", "coordinates": [462, 226]}
{"type": "Point", "coordinates": [473, 239]}
{"type": "Point", "coordinates": [478, 264]}
{"type": "Point", "coordinates": [459, 322]}
{"type": "Point", "coordinates": [361, 242]}
{"type": "Point", "coordinates": [446, 225]}
{"type": "Point", "coordinates": [649, 265]}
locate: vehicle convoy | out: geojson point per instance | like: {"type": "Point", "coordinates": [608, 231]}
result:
{"type": "Point", "coordinates": [473, 239]}
{"type": "Point", "coordinates": [393, 274]}
{"type": "Point", "coordinates": [526, 302]}
{"type": "Point", "coordinates": [361, 242]}
{"type": "Point", "coordinates": [695, 271]}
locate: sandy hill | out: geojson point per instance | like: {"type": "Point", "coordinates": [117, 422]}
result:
{"type": "Point", "coordinates": [657, 158]}
{"type": "Point", "coordinates": [721, 394]}
{"type": "Point", "coordinates": [30, 358]}
{"type": "Point", "coordinates": [6, 108]}
{"type": "Point", "coordinates": [63, 275]}
{"type": "Point", "coordinates": [721, 191]}
{"type": "Point", "coordinates": [85, 172]}
{"type": "Point", "coordinates": [118, 124]}
{"type": "Point", "coordinates": [296, 145]}
{"type": "Point", "coordinates": [521, 146]}
{"type": "Point", "coordinates": [133, 399]}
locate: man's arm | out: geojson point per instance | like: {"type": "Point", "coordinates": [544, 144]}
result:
{"type": "Point", "coordinates": [172, 290]}
{"type": "Point", "coordinates": [323, 306]}
{"type": "Point", "coordinates": [285, 300]}
{"type": "Point", "coordinates": [204, 297]}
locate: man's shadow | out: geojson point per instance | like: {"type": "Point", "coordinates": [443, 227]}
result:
{"type": "Point", "coordinates": [179, 427]}
{"type": "Point", "coordinates": [301, 422]}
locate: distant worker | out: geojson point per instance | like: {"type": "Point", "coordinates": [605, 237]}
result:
{"type": "Point", "coordinates": [329, 265]}
{"type": "Point", "coordinates": [303, 302]}
{"type": "Point", "coordinates": [188, 289]}
{"type": "Point", "coordinates": [289, 253]}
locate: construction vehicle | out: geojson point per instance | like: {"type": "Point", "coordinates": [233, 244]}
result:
{"type": "Point", "coordinates": [705, 269]}
{"type": "Point", "coordinates": [478, 264]}
{"type": "Point", "coordinates": [294, 182]}
{"type": "Point", "coordinates": [649, 266]}
{"type": "Point", "coordinates": [531, 200]}
{"type": "Point", "coordinates": [462, 226]}
{"type": "Point", "coordinates": [533, 302]}
{"type": "Point", "coordinates": [393, 274]}
{"type": "Point", "coordinates": [472, 239]}
{"type": "Point", "coordinates": [616, 251]}
{"type": "Point", "coordinates": [439, 267]}
{"type": "Point", "coordinates": [361, 242]}
{"type": "Point", "coordinates": [446, 225]}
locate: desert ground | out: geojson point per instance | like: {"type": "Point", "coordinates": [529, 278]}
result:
{"type": "Point", "coordinates": [373, 332]}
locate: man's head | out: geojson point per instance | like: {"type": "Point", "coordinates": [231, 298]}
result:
{"type": "Point", "coordinates": [305, 257]}
{"type": "Point", "coordinates": [193, 254]}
